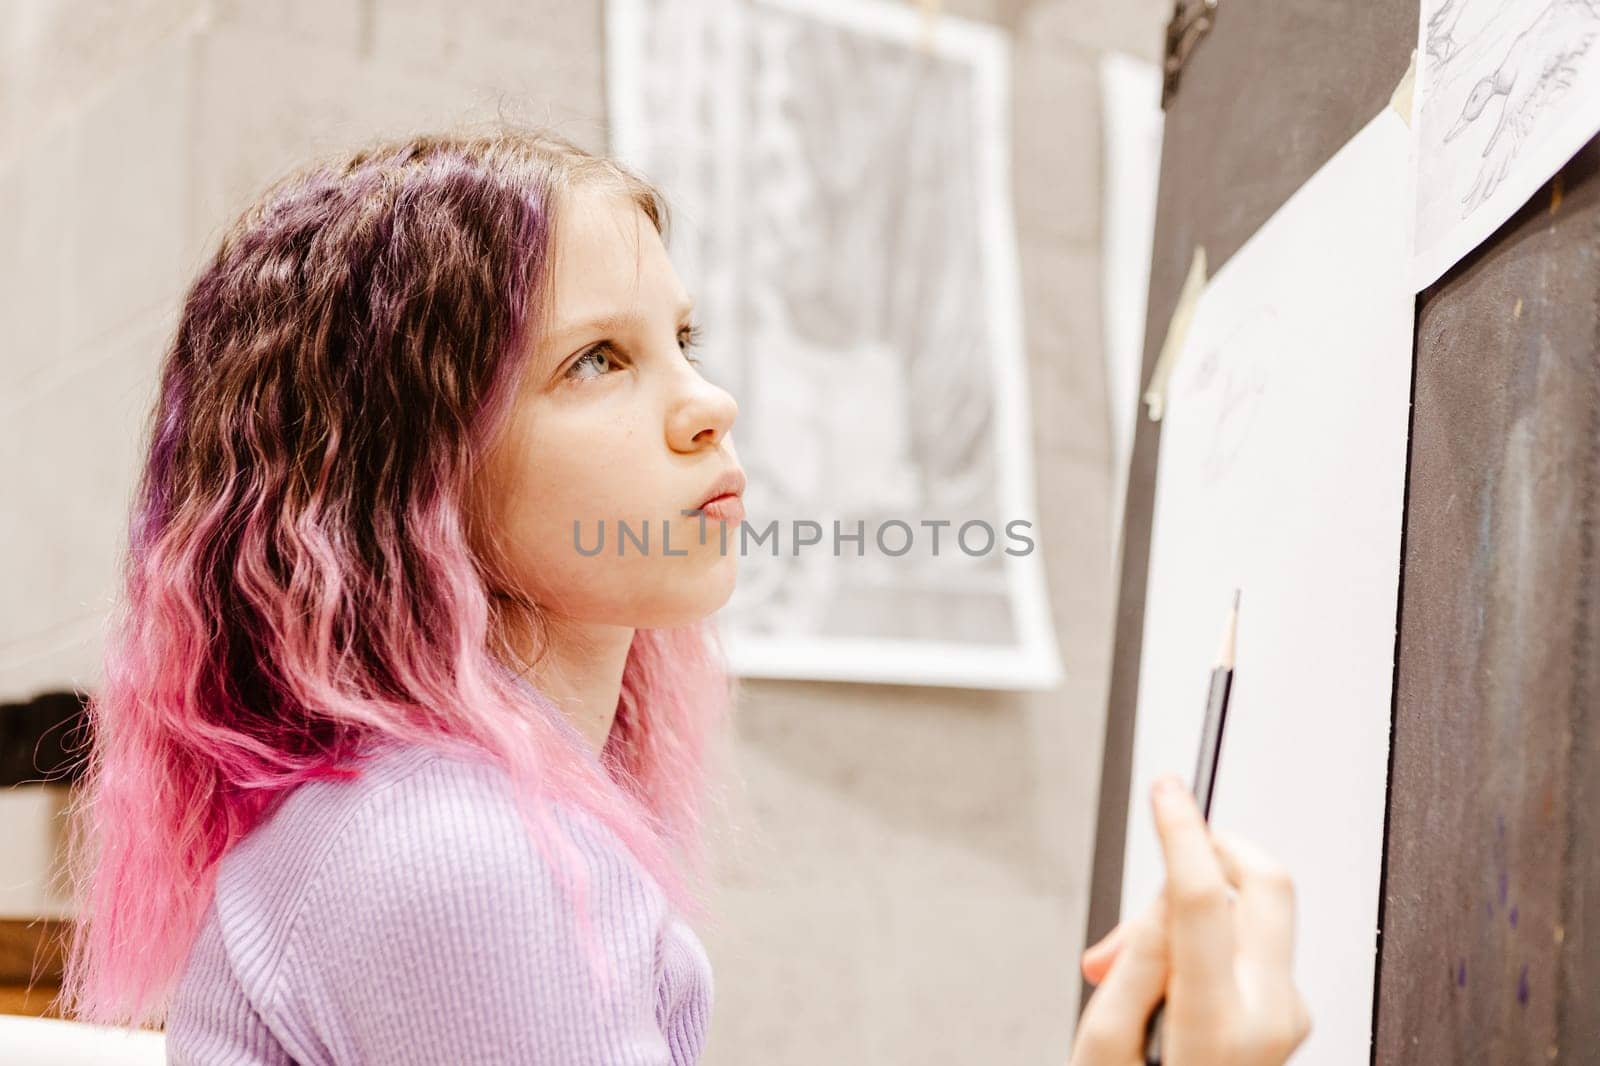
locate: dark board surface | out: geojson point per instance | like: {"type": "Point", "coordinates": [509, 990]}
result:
{"type": "Point", "coordinates": [1491, 946]}
{"type": "Point", "coordinates": [1490, 904]}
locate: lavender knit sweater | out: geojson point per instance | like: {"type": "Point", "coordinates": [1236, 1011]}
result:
{"type": "Point", "coordinates": [408, 917]}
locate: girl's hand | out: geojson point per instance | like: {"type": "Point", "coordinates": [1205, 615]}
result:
{"type": "Point", "coordinates": [1223, 961]}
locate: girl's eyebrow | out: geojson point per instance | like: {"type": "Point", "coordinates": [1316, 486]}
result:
{"type": "Point", "coordinates": [606, 323]}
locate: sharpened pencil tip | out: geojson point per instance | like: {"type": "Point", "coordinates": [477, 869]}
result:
{"type": "Point", "coordinates": [1229, 635]}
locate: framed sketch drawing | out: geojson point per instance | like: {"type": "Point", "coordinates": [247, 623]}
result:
{"type": "Point", "coordinates": [838, 180]}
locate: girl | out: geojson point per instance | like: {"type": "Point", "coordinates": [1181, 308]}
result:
{"type": "Point", "coordinates": [391, 766]}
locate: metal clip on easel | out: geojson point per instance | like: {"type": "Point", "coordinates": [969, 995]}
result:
{"type": "Point", "coordinates": [1190, 22]}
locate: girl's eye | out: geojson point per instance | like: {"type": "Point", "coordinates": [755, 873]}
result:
{"type": "Point", "coordinates": [603, 357]}
{"type": "Point", "coordinates": [598, 357]}
{"type": "Point", "coordinates": [688, 340]}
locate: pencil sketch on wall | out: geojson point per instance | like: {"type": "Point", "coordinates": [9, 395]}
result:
{"type": "Point", "coordinates": [837, 176]}
{"type": "Point", "coordinates": [1507, 92]}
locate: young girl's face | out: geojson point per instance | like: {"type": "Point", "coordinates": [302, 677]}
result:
{"type": "Point", "coordinates": [614, 424]}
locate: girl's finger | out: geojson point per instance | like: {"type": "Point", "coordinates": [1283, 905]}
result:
{"type": "Point", "coordinates": [1097, 960]}
{"type": "Point", "coordinates": [1197, 896]}
{"type": "Point", "coordinates": [1105, 948]}
{"type": "Point", "coordinates": [1265, 906]}
{"type": "Point", "coordinates": [1095, 970]}
{"type": "Point", "coordinates": [1111, 1028]}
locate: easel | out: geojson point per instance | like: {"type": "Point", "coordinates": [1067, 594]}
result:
{"type": "Point", "coordinates": [1494, 788]}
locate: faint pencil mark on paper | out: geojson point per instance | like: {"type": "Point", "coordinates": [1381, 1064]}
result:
{"type": "Point", "coordinates": [1442, 27]}
{"type": "Point", "coordinates": [1230, 379]}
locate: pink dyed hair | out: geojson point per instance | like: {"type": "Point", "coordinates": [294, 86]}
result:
{"type": "Point", "coordinates": [302, 576]}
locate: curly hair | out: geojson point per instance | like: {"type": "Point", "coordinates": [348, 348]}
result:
{"type": "Point", "coordinates": [302, 572]}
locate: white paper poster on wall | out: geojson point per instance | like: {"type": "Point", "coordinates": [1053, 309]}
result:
{"type": "Point", "coordinates": [1282, 474]}
{"type": "Point", "coordinates": [839, 179]}
{"type": "Point", "coordinates": [1132, 120]}
{"type": "Point", "coordinates": [1507, 92]}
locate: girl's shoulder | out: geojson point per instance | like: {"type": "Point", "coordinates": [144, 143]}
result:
{"type": "Point", "coordinates": [417, 823]}
{"type": "Point", "coordinates": [273, 864]}
{"type": "Point", "coordinates": [360, 911]}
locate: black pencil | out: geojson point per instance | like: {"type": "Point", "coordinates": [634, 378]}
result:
{"type": "Point", "coordinates": [1205, 773]}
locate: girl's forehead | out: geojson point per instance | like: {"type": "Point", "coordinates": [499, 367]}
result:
{"type": "Point", "coordinates": [601, 227]}
{"type": "Point", "coordinates": [608, 257]}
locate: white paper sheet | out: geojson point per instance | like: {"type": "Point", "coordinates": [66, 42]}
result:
{"type": "Point", "coordinates": [1507, 91]}
{"type": "Point", "coordinates": [1130, 95]}
{"type": "Point", "coordinates": [1282, 473]}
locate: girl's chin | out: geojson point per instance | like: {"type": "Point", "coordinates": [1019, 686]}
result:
{"type": "Point", "coordinates": [694, 599]}
{"type": "Point", "coordinates": [714, 592]}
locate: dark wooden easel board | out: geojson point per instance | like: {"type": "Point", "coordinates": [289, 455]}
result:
{"type": "Point", "coordinates": [1491, 919]}
{"type": "Point", "coordinates": [1489, 949]}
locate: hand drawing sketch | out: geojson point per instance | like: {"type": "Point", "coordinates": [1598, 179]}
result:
{"type": "Point", "coordinates": [837, 183]}
{"type": "Point", "coordinates": [1507, 92]}
{"type": "Point", "coordinates": [1230, 379]}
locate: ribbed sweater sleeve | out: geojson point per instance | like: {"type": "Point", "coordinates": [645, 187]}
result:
{"type": "Point", "coordinates": [427, 927]}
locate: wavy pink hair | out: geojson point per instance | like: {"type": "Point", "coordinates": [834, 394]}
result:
{"type": "Point", "coordinates": [302, 575]}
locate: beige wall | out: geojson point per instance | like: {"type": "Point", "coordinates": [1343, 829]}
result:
{"type": "Point", "coordinates": [906, 880]}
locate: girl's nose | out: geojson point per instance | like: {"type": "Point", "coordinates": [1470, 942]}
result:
{"type": "Point", "coordinates": [701, 415]}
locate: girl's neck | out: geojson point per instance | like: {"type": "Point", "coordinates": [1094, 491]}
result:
{"type": "Point", "coordinates": [580, 672]}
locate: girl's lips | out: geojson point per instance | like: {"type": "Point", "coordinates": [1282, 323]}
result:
{"type": "Point", "coordinates": [725, 508]}
{"type": "Point", "coordinates": [728, 483]}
